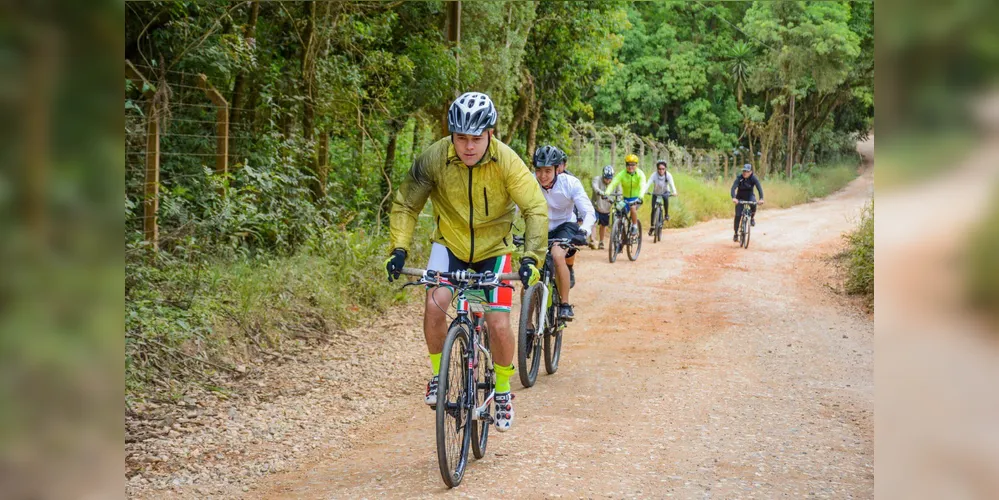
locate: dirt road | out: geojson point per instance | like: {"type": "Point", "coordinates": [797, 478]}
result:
{"type": "Point", "coordinates": [701, 370]}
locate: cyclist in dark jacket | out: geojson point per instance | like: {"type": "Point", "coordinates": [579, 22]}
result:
{"type": "Point", "coordinates": [742, 189]}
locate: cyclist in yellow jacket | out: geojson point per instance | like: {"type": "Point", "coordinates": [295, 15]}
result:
{"type": "Point", "coordinates": [633, 184]}
{"type": "Point", "coordinates": [475, 183]}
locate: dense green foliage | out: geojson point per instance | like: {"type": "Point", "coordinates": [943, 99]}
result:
{"type": "Point", "coordinates": [719, 76]}
{"type": "Point", "coordinates": [331, 101]}
{"type": "Point", "coordinates": [860, 267]}
{"type": "Point", "coordinates": [982, 266]}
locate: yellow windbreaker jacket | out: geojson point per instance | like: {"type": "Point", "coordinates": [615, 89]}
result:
{"type": "Point", "coordinates": [473, 207]}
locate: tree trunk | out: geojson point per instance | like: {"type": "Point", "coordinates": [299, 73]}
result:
{"type": "Point", "coordinates": [613, 148]}
{"type": "Point", "coordinates": [453, 29]}
{"type": "Point", "coordinates": [253, 96]}
{"type": "Point", "coordinates": [596, 150]}
{"type": "Point", "coordinates": [790, 139]}
{"type": "Point", "coordinates": [395, 126]}
{"type": "Point", "coordinates": [416, 139]}
{"type": "Point", "coordinates": [322, 165]}
{"type": "Point", "coordinates": [532, 132]}
{"type": "Point", "coordinates": [525, 102]}
{"type": "Point", "coordinates": [238, 87]}
{"type": "Point", "coordinates": [308, 72]}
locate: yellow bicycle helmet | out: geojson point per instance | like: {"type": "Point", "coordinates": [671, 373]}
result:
{"type": "Point", "coordinates": [631, 158]}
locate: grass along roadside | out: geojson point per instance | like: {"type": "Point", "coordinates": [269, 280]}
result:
{"type": "Point", "coordinates": [860, 257]}
{"type": "Point", "coordinates": [982, 265]}
{"type": "Point", "coordinates": [202, 321]}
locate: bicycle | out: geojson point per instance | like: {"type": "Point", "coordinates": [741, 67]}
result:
{"type": "Point", "coordinates": [467, 374]}
{"type": "Point", "coordinates": [621, 233]}
{"type": "Point", "coordinates": [659, 218]}
{"type": "Point", "coordinates": [744, 225]}
{"type": "Point", "coordinates": [541, 325]}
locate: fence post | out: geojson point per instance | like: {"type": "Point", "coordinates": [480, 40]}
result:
{"type": "Point", "coordinates": [596, 149]}
{"type": "Point", "coordinates": [151, 190]}
{"type": "Point", "coordinates": [613, 147]}
{"type": "Point", "coordinates": [221, 125]}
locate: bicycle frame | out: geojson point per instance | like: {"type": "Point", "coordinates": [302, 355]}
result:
{"type": "Point", "coordinates": [471, 314]}
{"type": "Point", "coordinates": [475, 344]}
{"type": "Point", "coordinates": [547, 276]}
{"type": "Point", "coordinates": [746, 211]}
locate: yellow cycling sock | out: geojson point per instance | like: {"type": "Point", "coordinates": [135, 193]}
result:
{"type": "Point", "coordinates": [435, 363]}
{"type": "Point", "coordinates": [503, 374]}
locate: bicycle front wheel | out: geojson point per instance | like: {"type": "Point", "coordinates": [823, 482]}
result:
{"type": "Point", "coordinates": [747, 228]}
{"type": "Point", "coordinates": [636, 247]}
{"type": "Point", "coordinates": [614, 245]}
{"type": "Point", "coordinates": [453, 411]}
{"type": "Point", "coordinates": [657, 214]}
{"type": "Point", "coordinates": [528, 345]}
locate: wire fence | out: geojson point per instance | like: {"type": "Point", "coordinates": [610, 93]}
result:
{"type": "Point", "coordinates": [595, 146]}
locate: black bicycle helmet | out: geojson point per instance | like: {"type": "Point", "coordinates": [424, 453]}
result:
{"type": "Point", "coordinates": [471, 113]}
{"type": "Point", "coordinates": [548, 156]}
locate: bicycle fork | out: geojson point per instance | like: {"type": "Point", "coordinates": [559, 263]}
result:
{"type": "Point", "coordinates": [545, 292]}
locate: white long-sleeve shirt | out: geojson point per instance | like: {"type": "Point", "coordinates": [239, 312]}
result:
{"type": "Point", "coordinates": [661, 184]}
{"type": "Point", "coordinates": [567, 192]}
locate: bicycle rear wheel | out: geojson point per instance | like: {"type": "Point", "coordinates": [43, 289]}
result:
{"type": "Point", "coordinates": [528, 340]}
{"type": "Point", "coordinates": [453, 413]}
{"type": "Point", "coordinates": [636, 247]}
{"type": "Point", "coordinates": [553, 333]}
{"type": "Point", "coordinates": [485, 380]}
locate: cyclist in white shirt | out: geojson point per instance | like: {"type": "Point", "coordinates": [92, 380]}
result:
{"type": "Point", "coordinates": [662, 186]}
{"type": "Point", "coordinates": [563, 193]}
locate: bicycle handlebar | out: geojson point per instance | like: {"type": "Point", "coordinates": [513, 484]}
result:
{"type": "Point", "coordinates": [458, 276]}
{"type": "Point", "coordinates": [744, 202]}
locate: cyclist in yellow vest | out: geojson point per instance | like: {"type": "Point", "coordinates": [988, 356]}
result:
{"type": "Point", "coordinates": [475, 182]}
{"type": "Point", "coordinates": [633, 185]}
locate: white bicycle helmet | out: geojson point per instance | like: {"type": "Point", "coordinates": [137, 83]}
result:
{"type": "Point", "coordinates": [471, 113]}
{"type": "Point", "coordinates": [608, 172]}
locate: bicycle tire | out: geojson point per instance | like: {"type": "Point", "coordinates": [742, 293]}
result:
{"type": "Point", "coordinates": [553, 333]}
{"type": "Point", "coordinates": [633, 256]}
{"type": "Point", "coordinates": [615, 237]}
{"type": "Point", "coordinates": [453, 410]}
{"type": "Point", "coordinates": [749, 229]}
{"type": "Point", "coordinates": [742, 231]}
{"type": "Point", "coordinates": [485, 381]}
{"type": "Point", "coordinates": [658, 228]}
{"type": "Point", "coordinates": [528, 345]}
